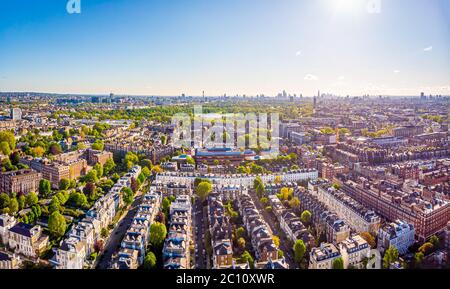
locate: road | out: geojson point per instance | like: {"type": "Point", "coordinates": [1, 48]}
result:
{"type": "Point", "coordinates": [198, 223]}
{"type": "Point", "coordinates": [271, 221]}
{"type": "Point", "coordinates": [113, 242]}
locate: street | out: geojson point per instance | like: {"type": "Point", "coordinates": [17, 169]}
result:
{"type": "Point", "coordinates": [118, 233]}
{"type": "Point", "coordinates": [198, 223]}
{"type": "Point", "coordinates": [270, 220]}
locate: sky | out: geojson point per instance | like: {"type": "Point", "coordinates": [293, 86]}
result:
{"type": "Point", "coordinates": [170, 47]}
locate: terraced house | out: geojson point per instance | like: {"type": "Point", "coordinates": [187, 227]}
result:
{"type": "Point", "coordinates": [134, 244]}
{"type": "Point", "coordinates": [261, 237]}
{"type": "Point", "coordinates": [176, 253]}
{"type": "Point", "coordinates": [221, 233]}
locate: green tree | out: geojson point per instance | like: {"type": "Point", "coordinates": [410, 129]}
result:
{"type": "Point", "coordinates": [130, 160]}
{"type": "Point", "coordinates": [115, 177]}
{"type": "Point", "coordinates": [299, 251]}
{"type": "Point", "coordinates": [426, 248]}
{"type": "Point", "coordinates": [258, 185]}
{"type": "Point", "coordinates": [146, 163]}
{"type": "Point", "coordinates": [150, 261]}
{"type": "Point", "coordinates": [203, 190]}
{"type": "Point", "coordinates": [146, 172]}
{"type": "Point", "coordinates": [306, 217]}
{"type": "Point", "coordinates": [4, 200]}
{"type": "Point", "coordinates": [54, 205]}
{"type": "Point", "coordinates": [31, 199]}
{"type": "Point", "coordinates": [62, 197]}
{"type": "Point", "coordinates": [435, 241]}
{"type": "Point", "coordinates": [128, 195]}
{"type": "Point", "coordinates": [21, 200]}
{"type": "Point", "coordinates": [158, 232]}
{"type": "Point", "coordinates": [45, 188]}
{"type": "Point", "coordinates": [108, 167]}
{"type": "Point", "coordinates": [8, 137]}
{"type": "Point", "coordinates": [294, 203]}
{"type": "Point", "coordinates": [246, 257]}
{"type": "Point", "coordinates": [13, 206]}
{"type": "Point", "coordinates": [57, 224]}
{"type": "Point", "coordinates": [78, 199]}
{"type": "Point", "coordinates": [15, 158]}
{"type": "Point", "coordinates": [98, 145]}
{"type": "Point", "coordinates": [338, 263]}
{"type": "Point", "coordinates": [91, 176]}
{"type": "Point", "coordinates": [390, 257]}
{"type": "Point", "coordinates": [240, 232]}
{"type": "Point", "coordinates": [99, 169]}
{"type": "Point", "coordinates": [197, 181]}
{"type": "Point", "coordinates": [165, 205]}
{"type": "Point", "coordinates": [190, 160]}
{"type": "Point", "coordinates": [241, 243]}
{"type": "Point", "coordinates": [7, 166]}
{"type": "Point", "coordinates": [64, 184]}
{"type": "Point", "coordinates": [418, 259]}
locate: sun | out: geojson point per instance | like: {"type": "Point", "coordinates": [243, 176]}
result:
{"type": "Point", "coordinates": [346, 6]}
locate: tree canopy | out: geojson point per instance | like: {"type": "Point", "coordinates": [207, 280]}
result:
{"type": "Point", "coordinates": [299, 251]}
{"type": "Point", "coordinates": [203, 190]}
{"type": "Point", "coordinates": [57, 224]}
{"type": "Point", "coordinates": [158, 232]}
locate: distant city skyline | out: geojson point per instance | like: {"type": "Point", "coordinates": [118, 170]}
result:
{"type": "Point", "coordinates": [252, 47]}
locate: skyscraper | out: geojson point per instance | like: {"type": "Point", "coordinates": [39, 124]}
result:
{"type": "Point", "coordinates": [16, 114]}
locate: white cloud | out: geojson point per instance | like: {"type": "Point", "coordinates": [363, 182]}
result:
{"type": "Point", "coordinates": [298, 53]}
{"type": "Point", "coordinates": [311, 77]}
{"type": "Point", "coordinates": [428, 49]}
{"type": "Point", "coordinates": [396, 71]}
{"type": "Point", "coordinates": [341, 77]}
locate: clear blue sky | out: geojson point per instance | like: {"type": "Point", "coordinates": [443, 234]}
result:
{"type": "Point", "coordinates": [169, 47]}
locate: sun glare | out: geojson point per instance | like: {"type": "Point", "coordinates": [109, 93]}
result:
{"type": "Point", "coordinates": [346, 6]}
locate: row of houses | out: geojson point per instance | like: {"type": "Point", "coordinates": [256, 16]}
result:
{"type": "Point", "coordinates": [243, 180]}
{"type": "Point", "coordinates": [133, 246]}
{"type": "Point", "coordinates": [171, 189]}
{"type": "Point", "coordinates": [176, 251]}
{"type": "Point", "coordinates": [357, 216]}
{"type": "Point", "coordinates": [221, 233]}
{"type": "Point", "coordinates": [79, 242]}
{"type": "Point", "coordinates": [260, 235]}
{"type": "Point", "coordinates": [290, 223]}
{"type": "Point", "coordinates": [326, 222]}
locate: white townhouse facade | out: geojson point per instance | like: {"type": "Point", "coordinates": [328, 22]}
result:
{"type": "Point", "coordinates": [356, 215]}
{"type": "Point", "coordinates": [241, 180]}
{"type": "Point", "coordinates": [70, 255]}
{"type": "Point", "coordinates": [6, 223]}
{"type": "Point", "coordinates": [398, 234]}
{"type": "Point", "coordinates": [353, 251]}
{"type": "Point", "coordinates": [323, 256]}
{"type": "Point", "coordinates": [27, 240]}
